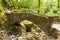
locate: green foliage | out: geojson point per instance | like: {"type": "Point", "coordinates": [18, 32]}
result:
{"type": "Point", "coordinates": [49, 7]}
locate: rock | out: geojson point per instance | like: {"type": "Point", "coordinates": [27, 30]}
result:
{"type": "Point", "coordinates": [21, 38]}
{"type": "Point", "coordinates": [56, 25]}
{"type": "Point", "coordinates": [6, 37]}
{"type": "Point", "coordinates": [27, 25]}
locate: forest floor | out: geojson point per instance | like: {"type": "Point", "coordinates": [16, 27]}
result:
{"type": "Point", "coordinates": [35, 34]}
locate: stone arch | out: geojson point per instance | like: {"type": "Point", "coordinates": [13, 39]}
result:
{"type": "Point", "coordinates": [44, 22]}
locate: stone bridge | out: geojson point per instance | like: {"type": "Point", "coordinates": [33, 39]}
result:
{"type": "Point", "coordinates": [44, 22]}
